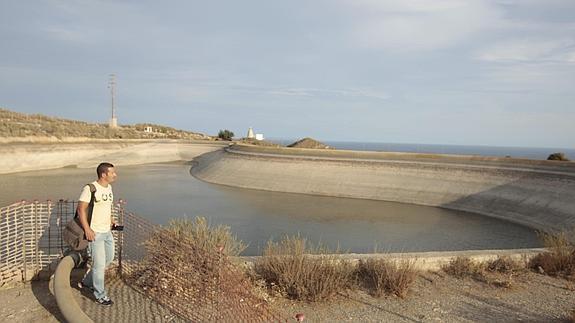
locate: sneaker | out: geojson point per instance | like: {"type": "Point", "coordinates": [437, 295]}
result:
{"type": "Point", "coordinates": [104, 301]}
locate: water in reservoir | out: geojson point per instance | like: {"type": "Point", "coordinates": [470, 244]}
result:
{"type": "Point", "coordinates": [160, 192]}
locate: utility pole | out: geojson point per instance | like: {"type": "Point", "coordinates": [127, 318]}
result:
{"type": "Point", "coordinates": [112, 86]}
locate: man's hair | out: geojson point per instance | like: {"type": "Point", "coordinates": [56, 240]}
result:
{"type": "Point", "coordinates": [103, 169]}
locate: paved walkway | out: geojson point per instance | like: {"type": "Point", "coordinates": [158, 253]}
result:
{"type": "Point", "coordinates": [129, 305]}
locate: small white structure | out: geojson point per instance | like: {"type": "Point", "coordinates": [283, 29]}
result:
{"type": "Point", "coordinates": [250, 133]}
{"type": "Point", "coordinates": [148, 129]}
{"type": "Point", "coordinates": [259, 136]}
{"type": "Point", "coordinates": [113, 123]}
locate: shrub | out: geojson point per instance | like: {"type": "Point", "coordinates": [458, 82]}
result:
{"type": "Point", "coordinates": [225, 134]}
{"type": "Point", "coordinates": [204, 237]}
{"type": "Point", "coordinates": [486, 272]}
{"type": "Point", "coordinates": [504, 265]}
{"type": "Point", "coordinates": [187, 269]}
{"type": "Point", "coordinates": [559, 260]}
{"type": "Point", "coordinates": [382, 276]}
{"type": "Point", "coordinates": [295, 267]}
{"type": "Point", "coordinates": [557, 156]}
{"type": "Point", "coordinates": [461, 267]}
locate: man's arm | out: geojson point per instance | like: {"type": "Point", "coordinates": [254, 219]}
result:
{"type": "Point", "coordinates": [83, 215]}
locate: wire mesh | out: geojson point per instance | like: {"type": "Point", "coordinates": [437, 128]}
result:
{"type": "Point", "coordinates": [31, 238]}
{"type": "Point", "coordinates": [197, 284]}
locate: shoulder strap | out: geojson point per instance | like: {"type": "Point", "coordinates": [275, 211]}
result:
{"type": "Point", "coordinates": [92, 200]}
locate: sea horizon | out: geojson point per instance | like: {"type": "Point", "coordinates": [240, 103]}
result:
{"type": "Point", "coordinates": [540, 153]}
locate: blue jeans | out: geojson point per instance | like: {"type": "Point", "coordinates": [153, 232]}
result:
{"type": "Point", "coordinates": [102, 253]}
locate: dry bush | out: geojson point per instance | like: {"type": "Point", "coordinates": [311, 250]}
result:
{"type": "Point", "coordinates": [559, 260]}
{"type": "Point", "coordinates": [14, 124]}
{"type": "Point", "coordinates": [187, 269]}
{"type": "Point", "coordinates": [204, 237]}
{"type": "Point", "coordinates": [504, 265]}
{"type": "Point", "coordinates": [500, 272]}
{"type": "Point", "coordinates": [558, 156]}
{"type": "Point", "coordinates": [497, 273]}
{"type": "Point", "coordinates": [461, 267]}
{"type": "Point", "coordinates": [383, 276]}
{"type": "Point", "coordinates": [299, 270]}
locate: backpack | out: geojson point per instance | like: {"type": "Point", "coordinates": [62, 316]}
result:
{"type": "Point", "coordinates": [73, 234]}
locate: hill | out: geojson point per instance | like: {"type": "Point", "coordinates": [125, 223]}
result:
{"type": "Point", "coordinates": [15, 124]}
{"type": "Point", "coordinates": [309, 143]}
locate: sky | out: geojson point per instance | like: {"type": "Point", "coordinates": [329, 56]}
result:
{"type": "Point", "coordinates": [465, 72]}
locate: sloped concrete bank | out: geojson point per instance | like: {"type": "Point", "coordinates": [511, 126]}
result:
{"type": "Point", "coordinates": [539, 194]}
{"type": "Point", "coordinates": [19, 157]}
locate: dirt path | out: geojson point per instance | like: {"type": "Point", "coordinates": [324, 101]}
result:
{"type": "Point", "coordinates": [435, 297]}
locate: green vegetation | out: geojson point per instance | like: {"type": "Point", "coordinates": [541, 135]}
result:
{"type": "Point", "coordinates": [558, 156]}
{"type": "Point", "coordinates": [225, 135]}
{"type": "Point", "coordinates": [14, 124]}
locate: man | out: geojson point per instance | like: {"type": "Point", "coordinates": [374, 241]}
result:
{"type": "Point", "coordinates": [98, 231]}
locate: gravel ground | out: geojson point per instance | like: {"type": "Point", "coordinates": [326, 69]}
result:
{"type": "Point", "coordinates": [434, 297]}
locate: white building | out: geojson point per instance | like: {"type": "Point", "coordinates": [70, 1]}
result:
{"type": "Point", "coordinates": [259, 136]}
{"type": "Point", "coordinates": [148, 129]}
{"type": "Point", "coordinates": [250, 133]}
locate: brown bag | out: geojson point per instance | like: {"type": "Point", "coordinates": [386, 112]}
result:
{"type": "Point", "coordinates": [73, 234]}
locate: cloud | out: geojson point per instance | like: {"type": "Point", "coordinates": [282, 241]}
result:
{"type": "Point", "coordinates": [311, 92]}
{"type": "Point", "coordinates": [529, 50]}
{"type": "Point", "coordinates": [413, 25]}
{"type": "Point", "coordinates": [64, 34]}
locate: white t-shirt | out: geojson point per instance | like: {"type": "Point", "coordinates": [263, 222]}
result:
{"type": "Point", "coordinates": [101, 214]}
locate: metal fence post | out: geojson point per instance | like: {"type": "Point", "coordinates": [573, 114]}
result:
{"type": "Point", "coordinates": [120, 235]}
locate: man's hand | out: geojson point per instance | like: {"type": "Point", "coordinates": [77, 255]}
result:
{"type": "Point", "coordinates": [90, 235]}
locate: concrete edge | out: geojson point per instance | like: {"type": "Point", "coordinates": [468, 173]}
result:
{"type": "Point", "coordinates": [430, 261]}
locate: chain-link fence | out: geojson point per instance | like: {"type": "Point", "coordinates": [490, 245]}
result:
{"type": "Point", "coordinates": [196, 283]}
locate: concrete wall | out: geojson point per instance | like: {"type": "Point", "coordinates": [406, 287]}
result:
{"type": "Point", "coordinates": [19, 157]}
{"type": "Point", "coordinates": [540, 194]}
{"type": "Point", "coordinates": [432, 260]}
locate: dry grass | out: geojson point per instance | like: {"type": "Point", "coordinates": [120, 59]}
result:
{"type": "Point", "coordinates": [383, 276]}
{"type": "Point", "coordinates": [497, 273]}
{"type": "Point", "coordinates": [560, 259]}
{"type": "Point", "coordinates": [15, 124]}
{"type": "Point", "coordinates": [505, 265]}
{"type": "Point", "coordinates": [205, 237]}
{"type": "Point", "coordinates": [461, 267]}
{"type": "Point", "coordinates": [295, 268]}
{"type": "Point", "coordinates": [187, 263]}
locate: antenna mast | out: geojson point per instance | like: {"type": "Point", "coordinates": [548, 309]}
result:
{"type": "Point", "coordinates": [112, 86]}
